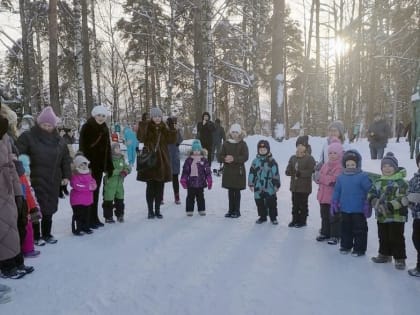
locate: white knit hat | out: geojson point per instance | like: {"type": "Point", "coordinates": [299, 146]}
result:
{"type": "Point", "coordinates": [100, 110]}
{"type": "Point", "coordinates": [235, 128]}
{"type": "Point", "coordinates": [79, 160]}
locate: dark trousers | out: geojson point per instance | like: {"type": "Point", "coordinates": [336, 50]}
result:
{"type": "Point", "coordinates": [93, 217]}
{"type": "Point", "coordinates": [416, 239]}
{"type": "Point", "coordinates": [109, 205]}
{"type": "Point", "coordinates": [11, 263]}
{"type": "Point", "coordinates": [330, 224]}
{"type": "Point", "coordinates": [44, 227]}
{"type": "Point", "coordinates": [354, 231]}
{"type": "Point", "coordinates": [299, 207]}
{"type": "Point", "coordinates": [376, 152]}
{"type": "Point", "coordinates": [80, 219]}
{"type": "Point", "coordinates": [209, 149]}
{"type": "Point", "coordinates": [267, 205]}
{"type": "Point", "coordinates": [192, 195]}
{"type": "Point", "coordinates": [154, 193]}
{"type": "Point", "coordinates": [175, 184]}
{"type": "Point", "coordinates": [234, 201]}
{"type": "Point", "coordinates": [391, 239]}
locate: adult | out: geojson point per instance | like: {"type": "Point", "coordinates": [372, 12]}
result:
{"type": "Point", "coordinates": [50, 167]}
{"type": "Point", "coordinates": [10, 189]}
{"type": "Point", "coordinates": [378, 134]}
{"type": "Point", "coordinates": [174, 156]}
{"type": "Point", "coordinates": [400, 130]}
{"type": "Point", "coordinates": [156, 135]}
{"type": "Point", "coordinates": [95, 144]}
{"type": "Point", "coordinates": [219, 137]}
{"type": "Point", "coordinates": [205, 130]}
{"type": "Point", "coordinates": [131, 142]}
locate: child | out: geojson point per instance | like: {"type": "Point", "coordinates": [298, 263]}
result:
{"type": "Point", "coordinates": [196, 175]}
{"type": "Point", "coordinates": [330, 225]}
{"type": "Point", "coordinates": [387, 197]}
{"type": "Point", "coordinates": [81, 196]}
{"type": "Point", "coordinates": [114, 186]}
{"type": "Point", "coordinates": [414, 199]}
{"type": "Point", "coordinates": [234, 154]}
{"type": "Point", "coordinates": [349, 198]}
{"type": "Point", "coordinates": [34, 213]}
{"type": "Point", "coordinates": [300, 168]}
{"type": "Point", "coordinates": [264, 181]}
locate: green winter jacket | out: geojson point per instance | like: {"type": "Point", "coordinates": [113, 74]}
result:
{"type": "Point", "coordinates": [388, 197]}
{"type": "Point", "coordinates": [114, 185]}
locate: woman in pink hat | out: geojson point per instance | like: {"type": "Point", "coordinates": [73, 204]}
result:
{"type": "Point", "coordinates": [50, 167]}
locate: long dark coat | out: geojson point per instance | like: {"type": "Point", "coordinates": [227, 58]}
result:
{"type": "Point", "coordinates": [95, 144]}
{"type": "Point", "coordinates": [50, 163]}
{"type": "Point", "coordinates": [10, 186]}
{"type": "Point", "coordinates": [149, 136]}
{"type": "Point", "coordinates": [234, 174]}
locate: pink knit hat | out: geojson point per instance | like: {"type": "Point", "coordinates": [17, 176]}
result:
{"type": "Point", "coordinates": [337, 148]}
{"type": "Point", "coordinates": [47, 116]}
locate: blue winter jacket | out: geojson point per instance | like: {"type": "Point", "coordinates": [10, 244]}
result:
{"type": "Point", "coordinates": [264, 176]}
{"type": "Point", "coordinates": [130, 137]}
{"type": "Point", "coordinates": [351, 191]}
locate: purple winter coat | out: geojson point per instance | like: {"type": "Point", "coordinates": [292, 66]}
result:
{"type": "Point", "coordinates": [204, 174]}
{"type": "Point", "coordinates": [83, 187]}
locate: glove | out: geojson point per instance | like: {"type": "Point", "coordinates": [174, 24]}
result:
{"type": "Point", "coordinates": [209, 183]}
{"type": "Point", "coordinates": [35, 214]}
{"type": "Point", "coordinates": [367, 209]}
{"type": "Point", "coordinates": [297, 174]}
{"type": "Point", "coordinates": [334, 208]}
{"type": "Point", "coordinates": [123, 173]}
{"type": "Point", "coordinates": [92, 186]}
{"type": "Point", "coordinates": [183, 182]}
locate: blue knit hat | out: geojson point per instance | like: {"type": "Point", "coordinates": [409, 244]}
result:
{"type": "Point", "coordinates": [196, 145]}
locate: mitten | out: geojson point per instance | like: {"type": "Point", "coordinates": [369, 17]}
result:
{"type": "Point", "coordinates": [209, 183]}
{"type": "Point", "coordinates": [334, 208]}
{"type": "Point", "coordinates": [92, 186]}
{"type": "Point", "coordinates": [297, 174]}
{"type": "Point", "coordinates": [367, 209]}
{"type": "Point", "coordinates": [123, 173]}
{"type": "Point", "coordinates": [183, 182]}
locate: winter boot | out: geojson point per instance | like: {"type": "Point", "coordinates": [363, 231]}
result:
{"type": "Point", "coordinates": [261, 220]}
{"type": "Point", "coordinates": [380, 259]}
{"type": "Point", "coordinates": [119, 207]}
{"type": "Point", "coordinates": [158, 214]}
{"type": "Point", "coordinates": [108, 207]}
{"type": "Point", "coordinates": [321, 238]}
{"type": "Point", "coordinates": [13, 273]}
{"type": "Point", "coordinates": [414, 272]}
{"type": "Point", "coordinates": [202, 213]}
{"type": "Point", "coordinates": [32, 254]}
{"type": "Point", "coordinates": [294, 220]}
{"type": "Point", "coordinates": [333, 241]}
{"type": "Point", "coordinates": [177, 200]}
{"type": "Point", "coordinates": [400, 264]}
{"type": "Point", "coordinates": [25, 269]}
{"type": "Point", "coordinates": [151, 214]}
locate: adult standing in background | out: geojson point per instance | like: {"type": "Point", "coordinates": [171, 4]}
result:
{"type": "Point", "coordinates": [174, 156]}
{"type": "Point", "coordinates": [205, 130]}
{"type": "Point", "coordinates": [50, 167]}
{"type": "Point", "coordinates": [378, 133]}
{"type": "Point", "coordinates": [95, 144]}
{"type": "Point", "coordinates": [131, 142]}
{"type": "Point", "coordinates": [219, 136]}
{"type": "Point", "coordinates": [156, 134]}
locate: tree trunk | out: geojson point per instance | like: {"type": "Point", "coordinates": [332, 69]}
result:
{"type": "Point", "coordinates": [78, 57]}
{"type": "Point", "coordinates": [40, 71]}
{"type": "Point", "coordinates": [96, 55]}
{"type": "Point", "coordinates": [53, 56]}
{"type": "Point", "coordinates": [277, 76]}
{"type": "Point", "coordinates": [27, 92]}
{"type": "Point", "coordinates": [87, 75]}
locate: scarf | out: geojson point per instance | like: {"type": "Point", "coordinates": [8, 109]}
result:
{"type": "Point", "coordinates": [194, 165]}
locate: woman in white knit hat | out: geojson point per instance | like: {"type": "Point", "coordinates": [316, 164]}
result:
{"type": "Point", "coordinates": [95, 144]}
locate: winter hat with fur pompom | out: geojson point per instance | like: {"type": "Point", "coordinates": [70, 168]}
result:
{"type": "Point", "coordinates": [390, 159]}
{"type": "Point", "coordinates": [78, 161]}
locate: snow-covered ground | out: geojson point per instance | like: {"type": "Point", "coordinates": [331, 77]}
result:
{"type": "Point", "coordinates": [214, 265]}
